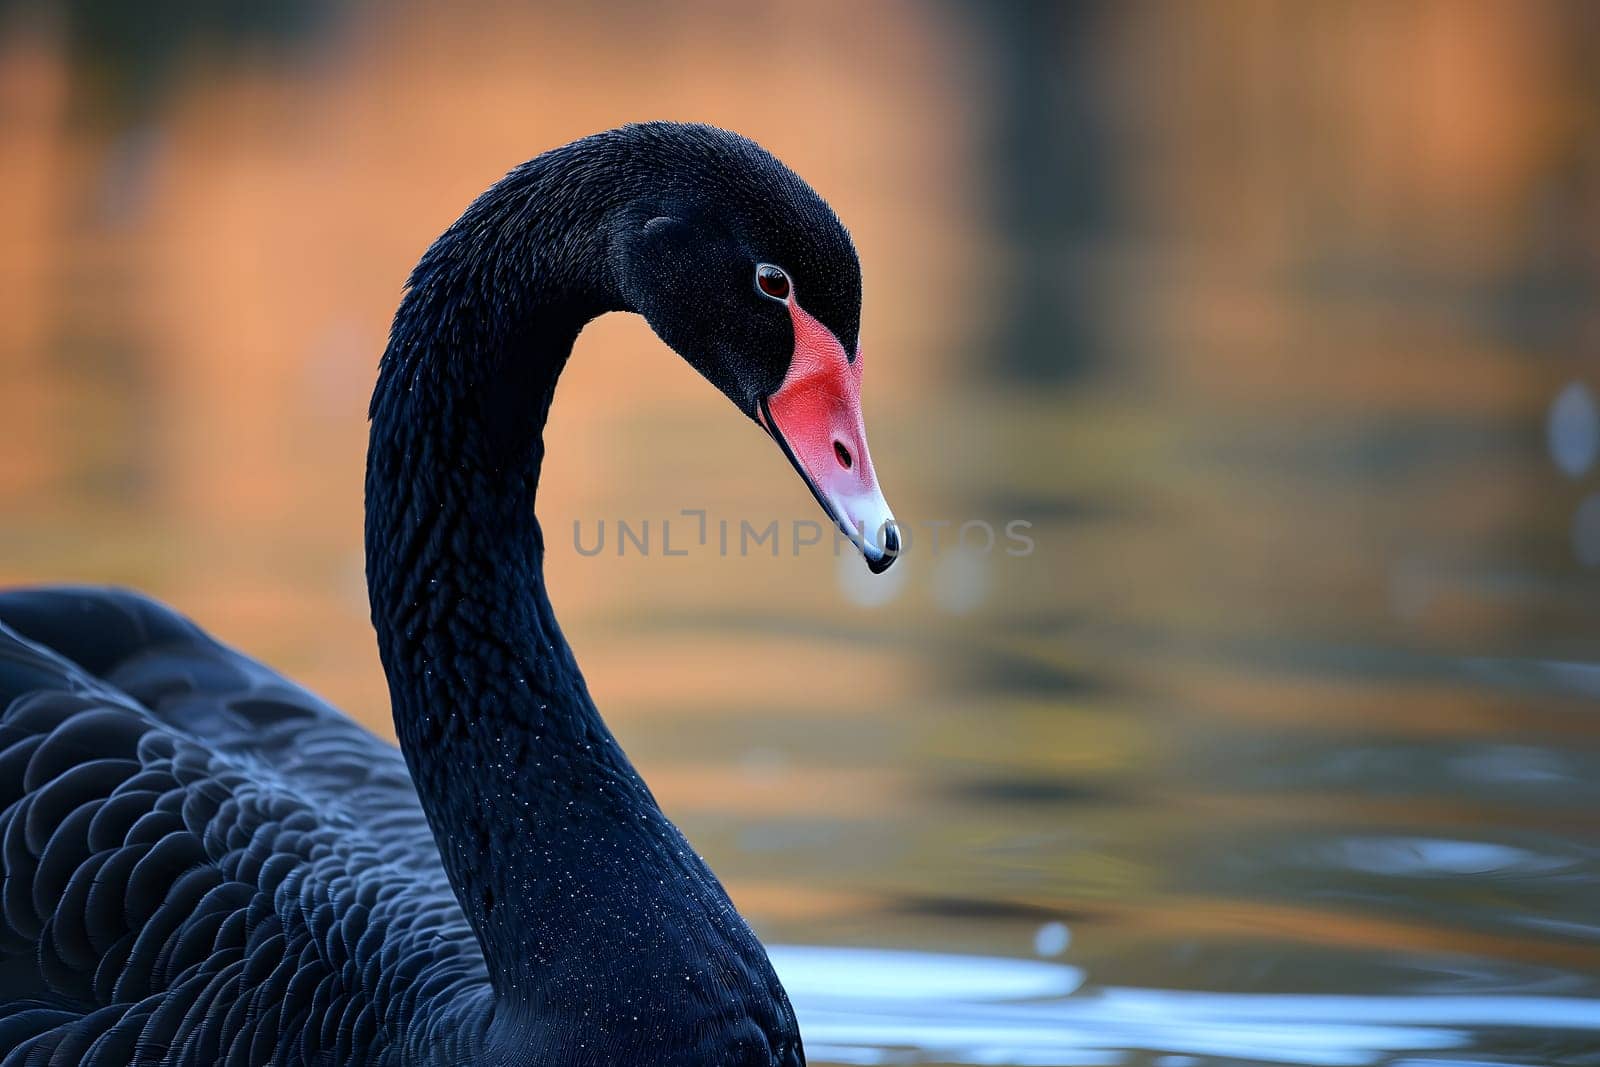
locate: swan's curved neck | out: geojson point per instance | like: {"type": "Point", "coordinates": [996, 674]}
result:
{"type": "Point", "coordinates": [532, 802]}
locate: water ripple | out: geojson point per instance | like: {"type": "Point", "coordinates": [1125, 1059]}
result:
{"type": "Point", "coordinates": [862, 1006]}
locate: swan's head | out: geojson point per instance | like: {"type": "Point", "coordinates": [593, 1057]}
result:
{"type": "Point", "coordinates": [744, 270]}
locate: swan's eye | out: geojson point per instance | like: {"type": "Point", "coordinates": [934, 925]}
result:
{"type": "Point", "coordinates": [772, 281]}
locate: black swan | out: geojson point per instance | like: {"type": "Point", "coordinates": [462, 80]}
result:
{"type": "Point", "coordinates": [205, 864]}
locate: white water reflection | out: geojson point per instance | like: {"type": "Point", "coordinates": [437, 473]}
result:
{"type": "Point", "coordinates": [879, 975]}
{"type": "Point", "coordinates": [860, 1006]}
{"type": "Point", "coordinates": [1433, 857]}
{"type": "Point", "coordinates": [1572, 429]}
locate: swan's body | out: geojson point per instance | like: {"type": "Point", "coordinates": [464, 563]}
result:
{"type": "Point", "coordinates": [206, 864]}
{"type": "Point", "coordinates": [221, 868]}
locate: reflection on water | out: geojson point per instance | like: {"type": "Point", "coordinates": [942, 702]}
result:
{"type": "Point", "coordinates": [883, 977]}
{"type": "Point", "coordinates": [1401, 857]}
{"type": "Point", "coordinates": [863, 1007]}
{"type": "Point", "coordinates": [1276, 322]}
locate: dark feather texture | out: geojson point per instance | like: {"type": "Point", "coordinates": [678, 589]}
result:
{"type": "Point", "coordinates": [204, 864]}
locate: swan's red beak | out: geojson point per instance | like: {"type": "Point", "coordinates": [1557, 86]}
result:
{"type": "Point", "coordinates": [815, 416]}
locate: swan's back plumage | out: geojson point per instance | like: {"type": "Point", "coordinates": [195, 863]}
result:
{"type": "Point", "coordinates": [204, 863]}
